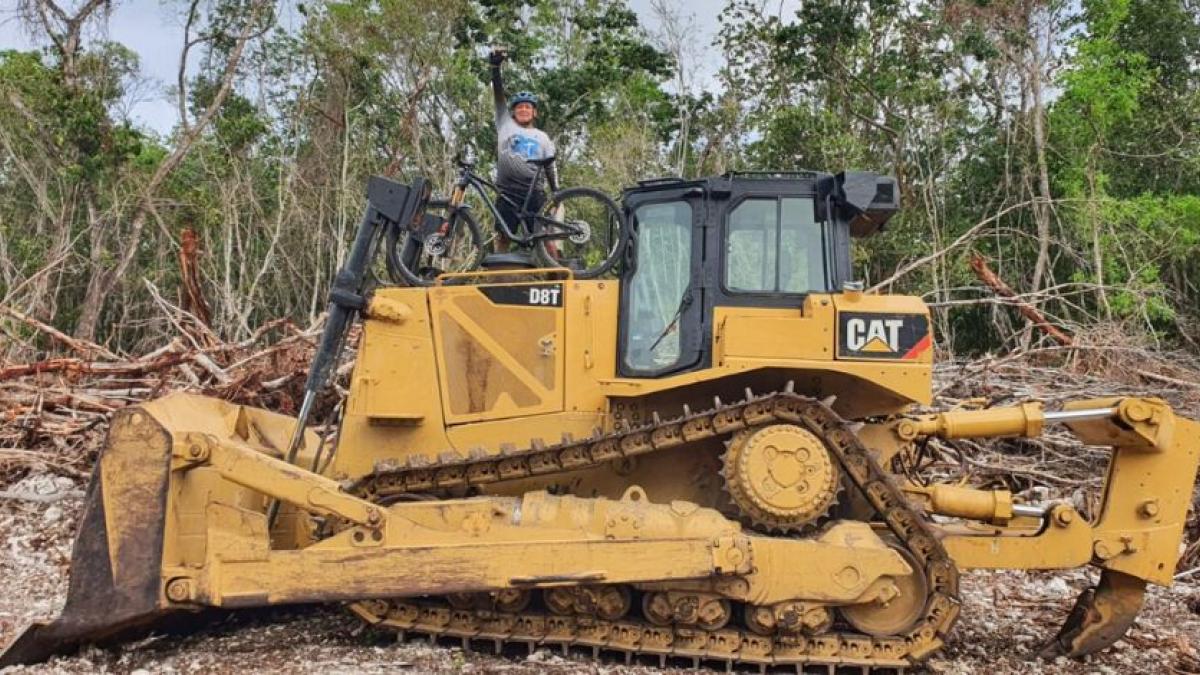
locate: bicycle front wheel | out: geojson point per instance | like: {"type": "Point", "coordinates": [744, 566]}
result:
{"type": "Point", "coordinates": [580, 229]}
{"type": "Point", "coordinates": [443, 245]}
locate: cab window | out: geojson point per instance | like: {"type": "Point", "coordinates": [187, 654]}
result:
{"type": "Point", "coordinates": [659, 288]}
{"type": "Point", "coordinates": [775, 245]}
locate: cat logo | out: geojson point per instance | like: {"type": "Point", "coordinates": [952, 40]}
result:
{"type": "Point", "coordinates": [882, 336]}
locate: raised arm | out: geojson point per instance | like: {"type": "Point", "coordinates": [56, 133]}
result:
{"type": "Point", "coordinates": [496, 58]}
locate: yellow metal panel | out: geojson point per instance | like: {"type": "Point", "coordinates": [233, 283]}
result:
{"type": "Point", "coordinates": [590, 348]}
{"type": "Point", "coordinates": [863, 302]}
{"type": "Point", "coordinates": [776, 334]}
{"type": "Point", "coordinates": [396, 373]}
{"type": "Point", "coordinates": [382, 387]}
{"type": "Point", "coordinates": [497, 360]}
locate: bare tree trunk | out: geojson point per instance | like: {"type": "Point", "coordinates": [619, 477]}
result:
{"type": "Point", "coordinates": [97, 288]}
{"type": "Point", "coordinates": [676, 36]}
{"type": "Point", "coordinates": [63, 29]}
{"type": "Point", "coordinates": [102, 281]}
{"type": "Point", "coordinates": [193, 300]}
{"type": "Point", "coordinates": [1041, 209]}
{"type": "Point", "coordinates": [1097, 251]}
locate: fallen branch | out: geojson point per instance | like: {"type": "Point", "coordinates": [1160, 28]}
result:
{"type": "Point", "coordinates": [1165, 379]}
{"type": "Point", "coordinates": [987, 276]}
{"type": "Point", "coordinates": [70, 365]}
{"type": "Point", "coordinates": [85, 348]}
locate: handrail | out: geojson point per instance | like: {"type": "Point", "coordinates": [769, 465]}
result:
{"type": "Point", "coordinates": [565, 274]}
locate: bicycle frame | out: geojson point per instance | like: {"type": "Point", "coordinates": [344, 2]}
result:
{"type": "Point", "coordinates": [467, 178]}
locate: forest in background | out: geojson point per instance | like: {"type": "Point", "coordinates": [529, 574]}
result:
{"type": "Point", "coordinates": [1057, 140]}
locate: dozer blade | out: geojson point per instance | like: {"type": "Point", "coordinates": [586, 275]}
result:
{"type": "Point", "coordinates": [115, 567]}
{"type": "Point", "coordinates": [1101, 616]}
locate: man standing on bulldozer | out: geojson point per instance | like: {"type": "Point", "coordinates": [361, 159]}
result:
{"type": "Point", "coordinates": [517, 142]}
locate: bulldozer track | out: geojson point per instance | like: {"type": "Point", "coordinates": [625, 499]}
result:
{"type": "Point", "coordinates": [633, 636]}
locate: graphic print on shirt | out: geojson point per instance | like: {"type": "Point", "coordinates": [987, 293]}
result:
{"type": "Point", "coordinates": [525, 146]}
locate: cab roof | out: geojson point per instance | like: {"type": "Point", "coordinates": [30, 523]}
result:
{"type": "Point", "coordinates": [864, 200]}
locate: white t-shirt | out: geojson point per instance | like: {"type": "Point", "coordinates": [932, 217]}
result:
{"type": "Point", "coordinates": [516, 144]}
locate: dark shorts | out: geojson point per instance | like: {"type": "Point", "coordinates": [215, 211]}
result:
{"type": "Point", "coordinates": [510, 210]}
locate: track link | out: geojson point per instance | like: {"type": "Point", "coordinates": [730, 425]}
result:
{"type": "Point", "coordinates": [633, 636]}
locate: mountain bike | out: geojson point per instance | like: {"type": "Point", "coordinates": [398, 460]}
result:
{"type": "Point", "coordinates": [578, 228]}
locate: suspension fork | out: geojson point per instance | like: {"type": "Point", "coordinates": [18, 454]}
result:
{"type": "Point", "coordinates": [457, 197]}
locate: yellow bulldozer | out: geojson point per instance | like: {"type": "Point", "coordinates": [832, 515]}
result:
{"type": "Point", "coordinates": [693, 460]}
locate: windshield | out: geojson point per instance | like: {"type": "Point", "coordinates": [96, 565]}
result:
{"type": "Point", "coordinates": [659, 286]}
{"type": "Point", "coordinates": [775, 245]}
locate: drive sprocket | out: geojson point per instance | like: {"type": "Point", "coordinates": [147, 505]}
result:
{"type": "Point", "coordinates": [780, 476]}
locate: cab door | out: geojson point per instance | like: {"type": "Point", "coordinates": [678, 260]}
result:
{"type": "Point", "coordinates": [662, 293]}
{"type": "Point", "coordinates": [499, 349]}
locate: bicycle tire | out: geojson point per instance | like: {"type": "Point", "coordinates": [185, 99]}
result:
{"type": "Point", "coordinates": [590, 205]}
{"type": "Point", "coordinates": [406, 253]}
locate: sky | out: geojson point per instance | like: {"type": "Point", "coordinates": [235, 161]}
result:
{"type": "Point", "coordinates": [149, 27]}
{"type": "Point", "coordinates": [153, 28]}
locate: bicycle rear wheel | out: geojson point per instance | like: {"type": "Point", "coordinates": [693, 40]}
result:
{"type": "Point", "coordinates": [440, 246]}
{"type": "Point", "coordinates": [588, 232]}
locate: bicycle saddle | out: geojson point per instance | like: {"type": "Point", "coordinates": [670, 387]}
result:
{"type": "Point", "coordinates": [545, 162]}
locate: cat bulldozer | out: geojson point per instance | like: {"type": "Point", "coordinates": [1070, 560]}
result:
{"type": "Point", "coordinates": [699, 459]}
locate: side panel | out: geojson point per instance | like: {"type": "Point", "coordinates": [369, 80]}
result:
{"type": "Point", "coordinates": [764, 347]}
{"type": "Point", "coordinates": [394, 409]}
{"type": "Point", "coordinates": [774, 333]}
{"type": "Point", "coordinates": [500, 349]}
{"type": "Point", "coordinates": [410, 376]}
{"type": "Point", "coordinates": [591, 347]}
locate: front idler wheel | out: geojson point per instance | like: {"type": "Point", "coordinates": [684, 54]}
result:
{"type": "Point", "coordinates": [894, 613]}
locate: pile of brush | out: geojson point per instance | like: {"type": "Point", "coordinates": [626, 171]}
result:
{"type": "Point", "coordinates": [54, 410]}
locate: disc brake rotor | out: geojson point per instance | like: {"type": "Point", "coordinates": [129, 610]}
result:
{"type": "Point", "coordinates": [581, 232]}
{"type": "Point", "coordinates": [435, 244]}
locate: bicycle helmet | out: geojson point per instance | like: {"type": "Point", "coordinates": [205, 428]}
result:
{"type": "Point", "coordinates": [523, 97]}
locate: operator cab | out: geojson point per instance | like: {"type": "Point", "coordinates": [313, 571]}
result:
{"type": "Point", "coordinates": [740, 239]}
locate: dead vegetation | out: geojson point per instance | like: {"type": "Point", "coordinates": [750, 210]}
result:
{"type": "Point", "coordinates": [54, 410]}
